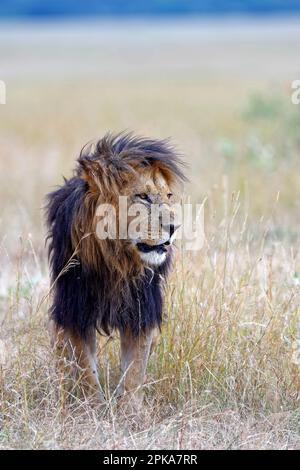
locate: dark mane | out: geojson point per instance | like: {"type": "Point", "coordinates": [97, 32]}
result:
{"type": "Point", "coordinates": [123, 151]}
{"type": "Point", "coordinates": [88, 292]}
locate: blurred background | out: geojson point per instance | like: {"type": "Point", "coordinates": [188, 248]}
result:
{"type": "Point", "coordinates": [214, 75]}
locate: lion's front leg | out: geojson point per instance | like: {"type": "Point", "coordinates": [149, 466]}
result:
{"type": "Point", "coordinates": [70, 349]}
{"type": "Point", "coordinates": [135, 353]}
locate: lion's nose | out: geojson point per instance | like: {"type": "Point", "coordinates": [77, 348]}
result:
{"type": "Point", "coordinates": [171, 228]}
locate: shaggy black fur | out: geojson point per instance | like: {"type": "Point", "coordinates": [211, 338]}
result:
{"type": "Point", "coordinates": [83, 297]}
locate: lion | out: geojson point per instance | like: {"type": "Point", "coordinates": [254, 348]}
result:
{"type": "Point", "coordinates": [112, 284]}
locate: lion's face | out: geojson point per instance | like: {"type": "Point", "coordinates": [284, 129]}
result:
{"type": "Point", "coordinates": [151, 222]}
{"type": "Point", "coordinates": [144, 172]}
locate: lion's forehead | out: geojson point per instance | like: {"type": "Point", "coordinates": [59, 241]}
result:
{"type": "Point", "coordinates": [151, 183]}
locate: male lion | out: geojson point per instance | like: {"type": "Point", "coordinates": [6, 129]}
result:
{"type": "Point", "coordinates": [111, 284]}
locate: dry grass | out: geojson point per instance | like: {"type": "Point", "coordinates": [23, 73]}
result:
{"type": "Point", "coordinates": [226, 373]}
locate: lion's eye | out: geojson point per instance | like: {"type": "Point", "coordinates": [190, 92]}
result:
{"type": "Point", "coordinates": [143, 196]}
{"type": "Point", "coordinates": [169, 195]}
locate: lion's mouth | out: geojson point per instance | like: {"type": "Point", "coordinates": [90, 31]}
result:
{"type": "Point", "coordinates": [145, 248]}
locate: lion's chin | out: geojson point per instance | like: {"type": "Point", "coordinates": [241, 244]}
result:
{"type": "Point", "coordinates": [153, 258]}
{"type": "Point", "coordinates": [153, 255]}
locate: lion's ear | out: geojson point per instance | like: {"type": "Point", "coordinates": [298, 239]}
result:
{"type": "Point", "coordinates": [90, 171]}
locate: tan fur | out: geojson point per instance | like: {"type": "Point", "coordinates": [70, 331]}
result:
{"type": "Point", "coordinates": [75, 356]}
{"type": "Point", "coordinates": [135, 353]}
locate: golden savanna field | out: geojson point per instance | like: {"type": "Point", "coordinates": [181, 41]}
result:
{"type": "Point", "coordinates": [226, 372]}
